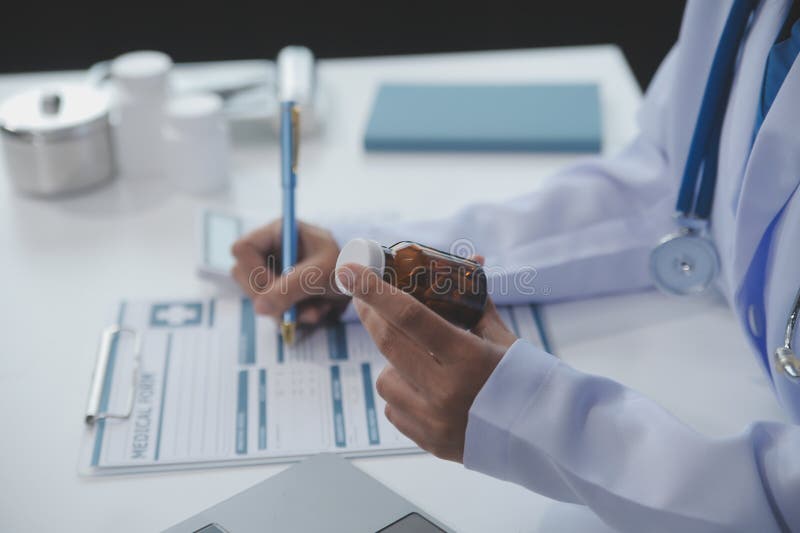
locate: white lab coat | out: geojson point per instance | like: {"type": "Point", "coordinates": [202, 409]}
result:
{"type": "Point", "coordinates": [589, 230]}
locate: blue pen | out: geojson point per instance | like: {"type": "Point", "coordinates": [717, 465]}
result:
{"type": "Point", "coordinates": [289, 145]}
{"type": "Point", "coordinates": [295, 86]}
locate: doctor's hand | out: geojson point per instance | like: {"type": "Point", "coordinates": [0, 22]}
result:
{"type": "Point", "coordinates": [436, 370]}
{"type": "Point", "coordinates": [309, 285]}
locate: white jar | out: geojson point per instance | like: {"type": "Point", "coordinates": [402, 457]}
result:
{"type": "Point", "coordinates": [140, 85]}
{"type": "Point", "coordinates": [197, 152]}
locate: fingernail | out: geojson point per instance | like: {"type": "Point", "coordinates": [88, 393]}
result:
{"type": "Point", "coordinates": [345, 279]}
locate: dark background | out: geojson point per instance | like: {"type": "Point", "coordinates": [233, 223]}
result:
{"type": "Point", "coordinates": [69, 35]}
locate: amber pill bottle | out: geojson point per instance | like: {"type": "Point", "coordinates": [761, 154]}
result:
{"type": "Point", "coordinates": [452, 286]}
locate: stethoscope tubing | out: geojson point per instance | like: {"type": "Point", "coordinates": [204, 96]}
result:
{"type": "Point", "coordinates": [704, 145]}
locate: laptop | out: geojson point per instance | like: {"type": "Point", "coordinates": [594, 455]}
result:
{"type": "Point", "coordinates": [323, 493]}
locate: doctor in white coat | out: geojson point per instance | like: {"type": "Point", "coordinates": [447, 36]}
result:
{"type": "Point", "coordinates": [507, 408]}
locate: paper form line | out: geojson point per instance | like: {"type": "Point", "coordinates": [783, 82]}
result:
{"type": "Point", "coordinates": [262, 409]}
{"type": "Point", "coordinates": [163, 396]}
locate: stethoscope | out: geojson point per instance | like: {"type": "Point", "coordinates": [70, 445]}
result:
{"type": "Point", "coordinates": [686, 261]}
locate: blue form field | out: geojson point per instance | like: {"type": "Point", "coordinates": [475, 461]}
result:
{"type": "Point", "coordinates": [338, 410]}
{"type": "Point", "coordinates": [337, 342]}
{"type": "Point", "coordinates": [247, 334]}
{"type": "Point", "coordinates": [167, 356]}
{"type": "Point", "coordinates": [212, 305]}
{"type": "Point", "coordinates": [241, 414]}
{"type": "Point", "coordinates": [279, 351]}
{"type": "Point", "coordinates": [369, 403]}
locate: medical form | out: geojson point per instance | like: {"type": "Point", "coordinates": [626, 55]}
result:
{"type": "Point", "coordinates": [215, 385]}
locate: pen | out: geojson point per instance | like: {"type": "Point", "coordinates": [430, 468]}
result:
{"type": "Point", "coordinates": [295, 92]}
{"type": "Point", "coordinates": [289, 146]}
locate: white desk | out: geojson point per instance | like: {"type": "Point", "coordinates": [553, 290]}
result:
{"type": "Point", "coordinates": [64, 262]}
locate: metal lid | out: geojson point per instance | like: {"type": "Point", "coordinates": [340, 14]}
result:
{"type": "Point", "coordinates": [54, 112]}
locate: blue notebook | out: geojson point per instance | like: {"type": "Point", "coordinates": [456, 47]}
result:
{"type": "Point", "coordinates": [486, 118]}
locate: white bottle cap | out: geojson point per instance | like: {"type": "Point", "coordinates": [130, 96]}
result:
{"type": "Point", "coordinates": [361, 252]}
{"type": "Point", "coordinates": [141, 74]}
{"type": "Point", "coordinates": [296, 73]}
{"type": "Point", "coordinates": [195, 110]}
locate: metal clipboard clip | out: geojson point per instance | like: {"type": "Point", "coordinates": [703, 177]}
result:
{"type": "Point", "coordinates": [109, 337]}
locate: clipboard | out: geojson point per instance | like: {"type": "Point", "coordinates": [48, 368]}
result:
{"type": "Point", "coordinates": [199, 383]}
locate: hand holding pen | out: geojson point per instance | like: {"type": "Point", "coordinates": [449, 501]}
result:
{"type": "Point", "coordinates": [309, 286]}
{"type": "Point", "coordinates": [259, 254]}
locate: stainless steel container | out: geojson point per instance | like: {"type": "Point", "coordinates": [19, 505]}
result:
{"type": "Point", "coordinates": [57, 139]}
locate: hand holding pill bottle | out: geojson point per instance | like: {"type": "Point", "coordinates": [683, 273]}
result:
{"type": "Point", "coordinates": [452, 286]}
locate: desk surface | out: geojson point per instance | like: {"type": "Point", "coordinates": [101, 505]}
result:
{"type": "Point", "coordinates": [65, 262]}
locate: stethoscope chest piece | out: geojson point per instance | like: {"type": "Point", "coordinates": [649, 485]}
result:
{"type": "Point", "coordinates": [684, 263]}
{"type": "Point", "coordinates": [787, 362]}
